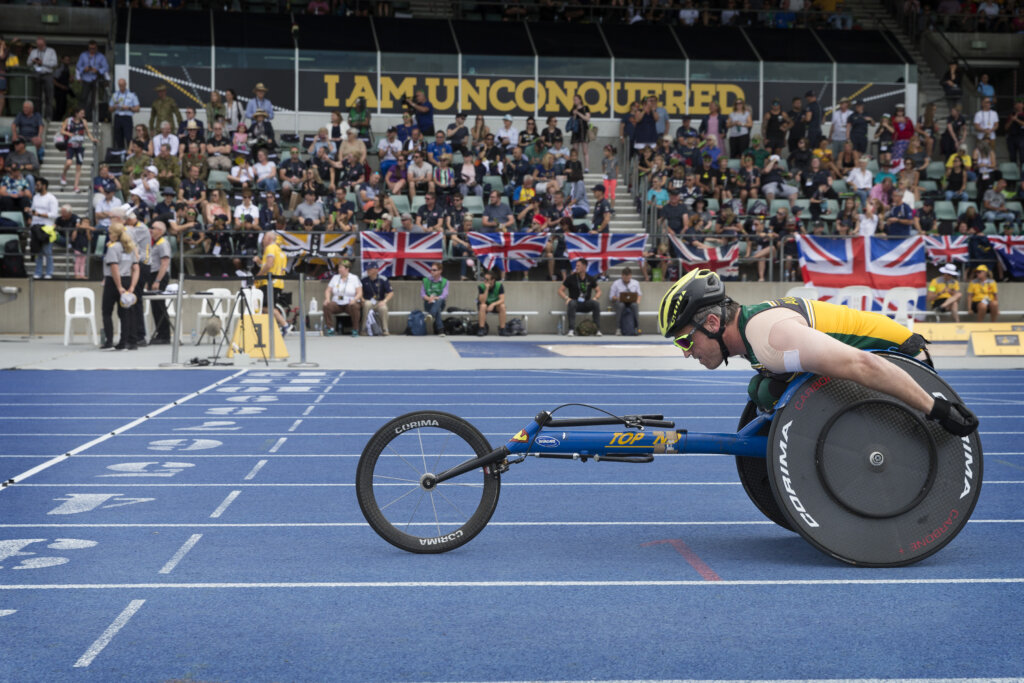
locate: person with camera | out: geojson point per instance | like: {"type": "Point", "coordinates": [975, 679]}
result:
{"type": "Point", "coordinates": [490, 299]}
{"type": "Point", "coordinates": [344, 294]}
{"type": "Point", "coordinates": [422, 110]}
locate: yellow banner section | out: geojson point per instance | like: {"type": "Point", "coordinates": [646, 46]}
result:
{"type": "Point", "coordinates": [961, 332]}
{"type": "Point", "coordinates": [997, 343]}
{"type": "Point", "coordinates": [251, 338]}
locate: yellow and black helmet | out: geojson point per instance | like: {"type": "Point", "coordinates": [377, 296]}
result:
{"type": "Point", "coordinates": [693, 291]}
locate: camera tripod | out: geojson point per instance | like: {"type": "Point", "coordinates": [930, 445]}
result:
{"type": "Point", "coordinates": [240, 304]}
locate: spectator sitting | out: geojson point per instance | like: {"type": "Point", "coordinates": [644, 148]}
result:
{"type": "Point", "coordinates": [310, 213]}
{"type": "Point", "coordinates": [103, 179]}
{"type": "Point", "coordinates": [265, 172]}
{"type": "Point", "coordinates": [388, 150]}
{"type": "Point", "coordinates": [377, 293]}
{"type": "Point", "coordinates": [899, 222]}
{"type": "Point", "coordinates": [626, 283]}
{"type": "Point", "coordinates": [242, 175]}
{"type": "Point", "coordinates": [322, 140]}
{"type": "Point", "coordinates": [292, 169]}
{"type": "Point", "coordinates": [415, 142]}
{"type": "Point", "coordinates": [218, 149]}
{"type": "Point", "coordinates": [261, 133]}
{"type": "Point", "coordinates": [444, 179]}
{"type": "Point", "coordinates": [165, 210]}
{"type": "Point", "coordinates": [995, 205]}
{"type": "Point", "coordinates": [147, 188]}
{"type": "Point", "coordinates": [341, 208]}
{"type": "Point", "coordinates": [28, 161]}
{"type": "Point", "coordinates": [344, 294]}
{"type": "Point", "coordinates": [396, 177]}
{"type": "Point", "coordinates": [431, 216]}
{"type": "Point", "coordinates": [470, 175]}
{"type": "Point", "coordinates": [164, 137]}
{"type": "Point", "coordinates": [104, 207]}
{"type": "Point", "coordinates": [405, 223]}
{"type": "Point", "coordinates": [984, 295]}
{"type": "Point", "coordinates": [197, 125]}
{"type": "Point", "coordinates": [28, 125]}
{"type": "Point", "coordinates": [498, 217]}
{"type": "Point", "coordinates": [168, 168]}
{"type": "Point", "coordinates": [419, 175]}
{"type": "Point", "coordinates": [561, 154]}
{"type": "Point", "coordinates": [956, 181]}
{"type": "Point", "coordinates": [438, 148]}
{"type": "Point", "coordinates": [672, 215]}
{"type": "Point", "coordinates": [458, 134]}
{"type": "Point", "coordinates": [507, 136]}
{"type": "Point", "coordinates": [944, 292]}
{"type": "Point", "coordinates": [578, 205]}
{"type": "Point", "coordinates": [490, 299]}
{"type": "Point", "coordinates": [434, 292]}
{"type": "Point", "coordinates": [376, 205]}
{"type": "Point", "coordinates": [581, 292]}
{"type": "Point", "coordinates": [404, 130]}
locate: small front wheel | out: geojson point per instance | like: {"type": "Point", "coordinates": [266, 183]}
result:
{"type": "Point", "coordinates": [400, 500]}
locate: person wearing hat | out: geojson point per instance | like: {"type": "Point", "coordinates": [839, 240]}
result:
{"type": "Point", "coordinates": [983, 294]}
{"type": "Point", "coordinates": [190, 122]}
{"type": "Point", "coordinates": [814, 117]}
{"type": "Point", "coordinates": [163, 108]}
{"type": "Point", "coordinates": [774, 126]}
{"type": "Point", "coordinates": [166, 209]}
{"type": "Point", "coordinates": [840, 131]}
{"type": "Point", "coordinates": [259, 103]}
{"type": "Point", "coordinates": [261, 133]}
{"type": "Point", "coordinates": [858, 123]}
{"type": "Point", "coordinates": [406, 223]}
{"type": "Point", "coordinates": [147, 188]}
{"type": "Point", "coordinates": [944, 292]}
{"type": "Point", "coordinates": [508, 135]}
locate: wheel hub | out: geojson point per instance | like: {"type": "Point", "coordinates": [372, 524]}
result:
{"type": "Point", "coordinates": [428, 481]}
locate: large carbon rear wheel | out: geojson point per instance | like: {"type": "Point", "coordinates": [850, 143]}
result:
{"type": "Point", "coordinates": [754, 475]}
{"type": "Point", "coordinates": [409, 511]}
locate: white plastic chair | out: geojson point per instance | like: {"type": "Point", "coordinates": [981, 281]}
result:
{"type": "Point", "coordinates": [904, 300]}
{"type": "Point", "coordinates": [857, 297]}
{"type": "Point", "coordinates": [80, 304]}
{"type": "Point", "coordinates": [216, 305]}
{"type": "Point", "coordinates": [803, 292]}
{"type": "Point", "coordinates": [314, 311]}
{"type": "Point", "coordinates": [255, 300]}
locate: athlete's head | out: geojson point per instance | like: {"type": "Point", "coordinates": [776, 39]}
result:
{"type": "Point", "coordinates": [697, 302]}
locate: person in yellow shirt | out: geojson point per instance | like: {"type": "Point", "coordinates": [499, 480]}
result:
{"type": "Point", "coordinates": [984, 294]}
{"type": "Point", "coordinates": [272, 262]}
{"type": "Point", "coordinates": [944, 292]}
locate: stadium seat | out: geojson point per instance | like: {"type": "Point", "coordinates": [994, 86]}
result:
{"type": "Point", "coordinates": [1010, 171]}
{"type": "Point", "coordinates": [990, 228]}
{"type": "Point", "coordinates": [734, 164]}
{"type": "Point", "coordinates": [904, 300]}
{"type": "Point", "coordinates": [1017, 208]}
{"type": "Point", "coordinates": [16, 216]}
{"type": "Point", "coordinates": [417, 202]}
{"type": "Point", "coordinates": [218, 179]}
{"type": "Point", "coordinates": [857, 297]}
{"type": "Point", "coordinates": [873, 166]}
{"type": "Point", "coordinates": [401, 203]}
{"type": "Point", "coordinates": [713, 205]}
{"type": "Point", "coordinates": [474, 204]}
{"type": "Point", "coordinates": [495, 182]}
{"type": "Point", "coordinates": [928, 185]}
{"type": "Point", "coordinates": [961, 207]}
{"type": "Point", "coordinates": [780, 204]}
{"type": "Point", "coordinates": [80, 304]}
{"type": "Point", "coordinates": [936, 170]}
{"type": "Point", "coordinates": [832, 212]}
{"type": "Point", "coordinates": [840, 187]}
{"type": "Point", "coordinates": [945, 211]}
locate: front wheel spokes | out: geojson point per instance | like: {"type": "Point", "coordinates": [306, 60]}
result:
{"type": "Point", "coordinates": [412, 490]}
{"type": "Point", "coordinates": [447, 500]}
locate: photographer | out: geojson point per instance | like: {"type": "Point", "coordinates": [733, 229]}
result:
{"type": "Point", "coordinates": [420, 108]}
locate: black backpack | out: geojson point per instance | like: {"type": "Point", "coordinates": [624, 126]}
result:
{"type": "Point", "coordinates": [13, 264]}
{"type": "Point", "coordinates": [474, 327]}
{"type": "Point", "coordinates": [515, 328]}
{"type": "Point", "coordinates": [628, 322]}
{"type": "Point", "coordinates": [454, 325]}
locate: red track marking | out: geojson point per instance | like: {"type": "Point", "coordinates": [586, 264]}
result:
{"type": "Point", "coordinates": [706, 572]}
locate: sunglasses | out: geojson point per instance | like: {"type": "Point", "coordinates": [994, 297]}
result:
{"type": "Point", "coordinates": [684, 342]}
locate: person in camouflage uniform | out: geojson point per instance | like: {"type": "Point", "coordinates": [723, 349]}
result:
{"type": "Point", "coordinates": [164, 108]}
{"type": "Point", "coordinates": [133, 167]}
{"type": "Point", "coordinates": [168, 169]}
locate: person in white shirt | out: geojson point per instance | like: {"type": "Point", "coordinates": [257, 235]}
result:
{"type": "Point", "coordinates": [626, 283]}
{"type": "Point", "coordinates": [861, 180]}
{"type": "Point", "coordinates": [164, 137]}
{"type": "Point", "coordinates": [44, 211]}
{"type": "Point", "coordinates": [839, 132]}
{"type": "Point", "coordinates": [985, 121]}
{"type": "Point", "coordinates": [388, 150]}
{"type": "Point", "coordinates": [246, 208]}
{"type": "Point", "coordinates": [104, 205]}
{"type": "Point", "coordinates": [344, 294]}
{"type": "Point", "coordinates": [508, 135]}
{"type": "Point", "coordinates": [868, 220]}
{"type": "Point", "coordinates": [147, 188]}
{"type": "Point", "coordinates": [689, 15]}
{"type": "Point", "coordinates": [43, 61]}
{"type": "Point", "coordinates": [266, 173]}
{"type": "Point", "coordinates": [242, 175]}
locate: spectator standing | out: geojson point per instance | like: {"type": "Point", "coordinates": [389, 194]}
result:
{"type": "Point", "coordinates": [163, 109]}
{"type": "Point", "coordinates": [1015, 133]}
{"type": "Point", "coordinates": [259, 103]}
{"type": "Point", "coordinates": [234, 112]}
{"type": "Point", "coordinates": [840, 131]}
{"type": "Point", "coordinates": [857, 124]}
{"type": "Point", "coordinates": [490, 298]}
{"type": "Point", "coordinates": [80, 236]}
{"type": "Point", "coordinates": [377, 293]}
{"type": "Point", "coordinates": [626, 283]}
{"type": "Point", "coordinates": [5, 52]}
{"type": "Point", "coordinates": [215, 109]}
{"type": "Point", "coordinates": [43, 61]}
{"type": "Point", "coordinates": [645, 120]}
{"type": "Point", "coordinates": [581, 293]}
{"type": "Point", "coordinates": [75, 130]}
{"type": "Point", "coordinates": [740, 123]}
{"type": "Point", "coordinates": [953, 137]}
{"type": "Point", "coordinates": [580, 114]}
{"type": "Point", "coordinates": [797, 124]}
{"type": "Point", "coordinates": [93, 72]}
{"type": "Point", "coordinates": [813, 116]}
{"type": "Point", "coordinates": [359, 118]}
{"type": "Point", "coordinates": [434, 292]}
{"type": "Point", "coordinates": [123, 106]}
{"type": "Point", "coordinates": [773, 128]}
{"type": "Point", "coordinates": [44, 212]}
{"type": "Point", "coordinates": [62, 86]}
{"type": "Point", "coordinates": [423, 111]}
{"type": "Point", "coordinates": [985, 88]}
{"type": "Point", "coordinates": [986, 120]}
{"type": "Point", "coordinates": [344, 294]}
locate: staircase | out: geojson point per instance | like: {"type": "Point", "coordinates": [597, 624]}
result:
{"type": "Point", "coordinates": [872, 14]}
{"type": "Point", "coordinates": [625, 219]}
{"type": "Point", "coordinates": [53, 163]}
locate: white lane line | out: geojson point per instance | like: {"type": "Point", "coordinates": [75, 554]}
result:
{"type": "Point", "coordinates": [252, 473]}
{"type": "Point", "coordinates": [177, 557]}
{"type": "Point", "coordinates": [518, 584]}
{"type": "Point", "coordinates": [319, 398]}
{"type": "Point", "coordinates": [224, 505]}
{"type": "Point", "coordinates": [295, 425]}
{"type": "Point", "coordinates": [108, 635]}
{"type": "Point", "coordinates": [119, 430]}
{"type": "Point", "coordinates": [307, 411]}
{"type": "Point", "coordinates": [364, 525]}
{"type": "Point", "coordinates": [280, 442]}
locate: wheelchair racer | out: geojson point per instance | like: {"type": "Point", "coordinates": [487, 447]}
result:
{"type": "Point", "coordinates": [787, 336]}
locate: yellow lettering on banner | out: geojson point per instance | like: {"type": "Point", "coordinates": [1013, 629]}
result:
{"type": "Point", "coordinates": [527, 86]}
{"type": "Point", "coordinates": [636, 90]}
{"type": "Point", "coordinates": [250, 338]}
{"type": "Point", "coordinates": [361, 87]}
{"type": "Point", "coordinates": [726, 89]}
{"type": "Point", "coordinates": [601, 88]}
{"type": "Point", "coordinates": [331, 83]}
{"type": "Point", "coordinates": [451, 86]}
{"type": "Point", "coordinates": [502, 103]}
{"type": "Point", "coordinates": [390, 93]}
{"type": "Point", "coordinates": [559, 97]}
{"type": "Point", "coordinates": [675, 98]}
{"type": "Point", "coordinates": [474, 93]}
{"type": "Point", "coordinates": [702, 94]}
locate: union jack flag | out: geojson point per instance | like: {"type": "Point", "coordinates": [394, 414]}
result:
{"type": "Point", "coordinates": [603, 250]}
{"type": "Point", "coordinates": [722, 260]}
{"type": "Point", "coordinates": [508, 251]}
{"type": "Point", "coordinates": [402, 253]}
{"type": "Point", "coordinates": [1010, 249]}
{"type": "Point", "coordinates": [945, 248]}
{"type": "Point", "coordinates": [831, 263]}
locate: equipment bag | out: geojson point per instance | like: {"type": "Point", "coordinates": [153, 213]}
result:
{"type": "Point", "coordinates": [586, 328]}
{"type": "Point", "coordinates": [417, 325]}
{"type": "Point", "coordinates": [515, 328]}
{"type": "Point", "coordinates": [454, 325]}
{"type": "Point", "coordinates": [628, 322]}
{"type": "Point", "coordinates": [372, 326]}
{"type": "Point", "coordinates": [13, 264]}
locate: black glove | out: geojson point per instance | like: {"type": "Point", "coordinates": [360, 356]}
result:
{"type": "Point", "coordinates": [955, 418]}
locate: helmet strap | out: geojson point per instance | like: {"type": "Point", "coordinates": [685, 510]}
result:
{"type": "Point", "coordinates": [720, 334]}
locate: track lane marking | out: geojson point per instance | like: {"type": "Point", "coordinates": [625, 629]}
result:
{"type": "Point", "coordinates": [178, 556]}
{"type": "Point", "coordinates": [224, 505]}
{"type": "Point", "coordinates": [108, 635]}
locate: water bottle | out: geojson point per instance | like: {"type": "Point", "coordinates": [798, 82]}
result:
{"type": "Point", "coordinates": [194, 336]}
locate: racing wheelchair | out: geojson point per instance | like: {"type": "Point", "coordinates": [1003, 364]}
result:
{"type": "Point", "coordinates": [858, 474]}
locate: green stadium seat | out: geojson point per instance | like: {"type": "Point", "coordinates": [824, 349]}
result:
{"type": "Point", "coordinates": [1010, 170]}
{"type": "Point", "coordinates": [474, 204]}
{"type": "Point", "coordinates": [401, 203]}
{"type": "Point", "coordinates": [936, 170]}
{"type": "Point", "coordinates": [945, 211]}
{"type": "Point", "coordinates": [961, 207]}
{"type": "Point", "coordinates": [16, 216]}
